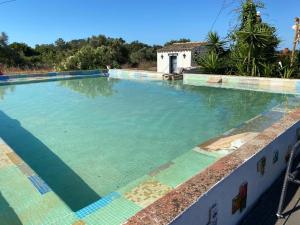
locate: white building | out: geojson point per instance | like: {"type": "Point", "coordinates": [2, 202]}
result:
{"type": "Point", "coordinates": [173, 58]}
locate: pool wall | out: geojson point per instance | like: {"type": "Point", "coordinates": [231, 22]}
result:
{"type": "Point", "coordinates": [51, 76]}
{"type": "Point", "coordinates": [274, 85]}
{"type": "Point", "coordinates": [135, 74]}
{"type": "Point", "coordinates": [74, 73]}
{"type": "Point", "coordinates": [258, 173]}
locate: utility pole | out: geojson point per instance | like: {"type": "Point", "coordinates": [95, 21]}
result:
{"type": "Point", "coordinates": [296, 39]}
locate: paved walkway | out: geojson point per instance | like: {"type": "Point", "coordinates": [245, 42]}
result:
{"type": "Point", "coordinates": [265, 211]}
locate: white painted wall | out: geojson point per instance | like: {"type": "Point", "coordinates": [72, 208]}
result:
{"type": "Point", "coordinates": [163, 64]}
{"type": "Point", "coordinates": [227, 189]}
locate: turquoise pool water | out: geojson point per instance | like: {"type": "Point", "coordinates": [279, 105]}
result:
{"type": "Point", "coordinates": [87, 138]}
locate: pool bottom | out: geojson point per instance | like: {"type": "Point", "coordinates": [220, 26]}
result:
{"type": "Point", "coordinates": [27, 192]}
{"type": "Point", "coordinates": [26, 199]}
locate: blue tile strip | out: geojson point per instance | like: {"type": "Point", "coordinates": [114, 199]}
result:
{"type": "Point", "coordinates": [97, 205]}
{"type": "Point", "coordinates": [39, 184]}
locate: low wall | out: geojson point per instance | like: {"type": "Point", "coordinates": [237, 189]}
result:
{"type": "Point", "coordinates": [72, 73]}
{"type": "Point", "coordinates": [258, 178]}
{"type": "Point", "coordinates": [135, 74]}
{"type": "Point", "coordinates": [275, 85]}
{"type": "Point", "coordinates": [53, 76]}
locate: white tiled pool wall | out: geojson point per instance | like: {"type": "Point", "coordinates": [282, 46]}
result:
{"type": "Point", "coordinates": [274, 85]}
{"type": "Point", "coordinates": [73, 73]}
{"type": "Point", "coordinates": [217, 203]}
{"type": "Point", "coordinates": [135, 74]}
{"type": "Point", "coordinates": [52, 76]}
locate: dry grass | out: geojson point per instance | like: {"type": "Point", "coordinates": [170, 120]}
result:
{"type": "Point", "coordinates": [13, 70]}
{"type": "Point", "coordinates": [149, 66]}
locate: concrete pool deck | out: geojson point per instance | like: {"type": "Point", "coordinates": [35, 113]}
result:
{"type": "Point", "coordinates": [161, 197]}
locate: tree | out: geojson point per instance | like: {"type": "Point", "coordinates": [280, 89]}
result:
{"type": "Point", "coordinates": [214, 43]}
{"type": "Point", "coordinates": [60, 44]}
{"type": "Point", "coordinates": [142, 55]}
{"type": "Point", "coordinates": [93, 52]}
{"type": "Point", "coordinates": [182, 40]}
{"type": "Point", "coordinates": [88, 58]}
{"type": "Point", "coordinates": [23, 49]}
{"type": "Point", "coordinates": [255, 42]}
{"type": "Point", "coordinates": [213, 60]}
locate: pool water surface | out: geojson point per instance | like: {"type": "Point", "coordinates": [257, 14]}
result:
{"type": "Point", "coordinates": [90, 137]}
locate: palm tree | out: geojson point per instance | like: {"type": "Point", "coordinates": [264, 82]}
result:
{"type": "Point", "coordinates": [255, 42]}
{"type": "Point", "coordinates": [215, 43]}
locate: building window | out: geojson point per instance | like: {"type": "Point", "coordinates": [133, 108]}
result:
{"type": "Point", "coordinates": [184, 56]}
{"type": "Point", "coordinates": [162, 56]}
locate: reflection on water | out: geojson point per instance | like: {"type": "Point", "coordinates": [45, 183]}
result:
{"type": "Point", "coordinates": [239, 102]}
{"type": "Point", "coordinates": [5, 89]}
{"type": "Point", "coordinates": [91, 87]}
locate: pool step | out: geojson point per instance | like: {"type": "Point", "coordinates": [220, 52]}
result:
{"type": "Point", "coordinates": [172, 77]}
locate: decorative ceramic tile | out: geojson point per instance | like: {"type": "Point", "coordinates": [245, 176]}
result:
{"type": "Point", "coordinates": [15, 158]}
{"type": "Point", "coordinates": [147, 192]}
{"type": "Point", "coordinates": [275, 157]}
{"type": "Point", "coordinates": [261, 165]}
{"type": "Point", "coordinates": [239, 202]}
{"type": "Point", "coordinates": [213, 215]}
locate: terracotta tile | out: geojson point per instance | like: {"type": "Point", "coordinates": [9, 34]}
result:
{"type": "Point", "coordinates": [79, 222]}
{"type": "Point", "coordinates": [147, 192]}
{"type": "Point", "coordinates": [15, 158]}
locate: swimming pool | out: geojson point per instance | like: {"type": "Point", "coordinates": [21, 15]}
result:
{"type": "Point", "coordinates": [89, 138]}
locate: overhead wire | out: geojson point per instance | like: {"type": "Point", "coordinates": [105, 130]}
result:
{"type": "Point", "coordinates": [218, 15]}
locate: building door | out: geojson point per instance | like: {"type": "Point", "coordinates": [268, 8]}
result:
{"type": "Point", "coordinates": [173, 64]}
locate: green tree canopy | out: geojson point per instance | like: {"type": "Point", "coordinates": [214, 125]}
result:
{"type": "Point", "coordinates": [254, 42]}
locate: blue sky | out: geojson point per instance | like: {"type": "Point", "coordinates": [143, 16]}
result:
{"type": "Point", "coordinates": [149, 21]}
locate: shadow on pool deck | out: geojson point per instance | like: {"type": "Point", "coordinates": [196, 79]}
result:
{"type": "Point", "coordinates": [7, 214]}
{"type": "Point", "coordinates": [264, 213]}
{"type": "Point", "coordinates": [59, 176]}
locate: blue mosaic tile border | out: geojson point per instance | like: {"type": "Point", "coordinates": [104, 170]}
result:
{"type": "Point", "coordinates": [39, 184]}
{"type": "Point", "coordinates": [97, 205]}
